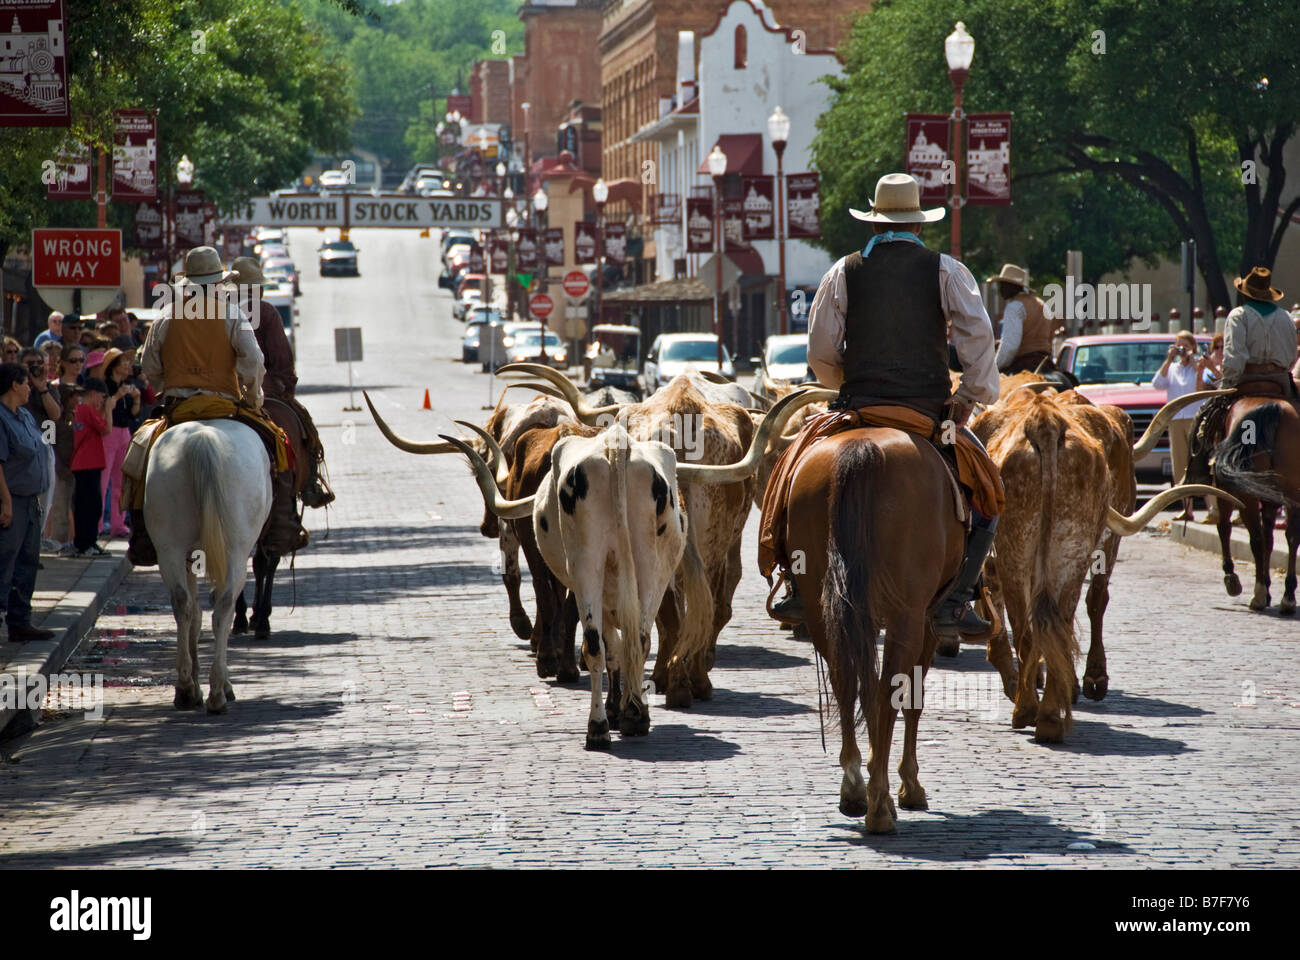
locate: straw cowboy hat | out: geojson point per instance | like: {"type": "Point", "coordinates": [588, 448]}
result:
{"type": "Point", "coordinates": [245, 270]}
{"type": "Point", "coordinates": [203, 266]}
{"type": "Point", "coordinates": [898, 200]}
{"type": "Point", "coordinates": [1012, 274]}
{"type": "Point", "coordinates": [1256, 285]}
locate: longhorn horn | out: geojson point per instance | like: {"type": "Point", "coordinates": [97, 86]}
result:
{"type": "Point", "coordinates": [1034, 386]}
{"type": "Point", "coordinates": [773, 423]}
{"type": "Point", "coordinates": [1125, 526]}
{"type": "Point", "coordinates": [401, 443]}
{"type": "Point", "coordinates": [713, 376]}
{"type": "Point", "coordinates": [1164, 415]}
{"type": "Point", "coordinates": [498, 463]}
{"type": "Point", "coordinates": [505, 509]}
{"type": "Point", "coordinates": [544, 388]}
{"type": "Point", "coordinates": [588, 415]}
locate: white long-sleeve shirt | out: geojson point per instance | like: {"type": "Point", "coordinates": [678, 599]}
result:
{"type": "Point", "coordinates": [959, 295]}
{"type": "Point", "coordinates": [1013, 328]}
{"type": "Point", "coordinates": [1179, 381]}
{"type": "Point", "coordinates": [1250, 336]}
{"type": "Point", "coordinates": [249, 364]}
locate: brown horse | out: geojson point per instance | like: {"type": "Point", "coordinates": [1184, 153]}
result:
{"type": "Point", "coordinates": [1259, 462]}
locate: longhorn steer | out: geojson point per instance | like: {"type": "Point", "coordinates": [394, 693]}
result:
{"type": "Point", "coordinates": [1067, 466]}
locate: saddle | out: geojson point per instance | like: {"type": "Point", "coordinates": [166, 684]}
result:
{"type": "Point", "coordinates": [969, 468]}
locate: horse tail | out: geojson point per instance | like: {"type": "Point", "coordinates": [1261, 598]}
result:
{"type": "Point", "coordinates": [853, 584]}
{"type": "Point", "coordinates": [1255, 433]}
{"type": "Point", "coordinates": [1052, 631]}
{"type": "Point", "coordinates": [206, 464]}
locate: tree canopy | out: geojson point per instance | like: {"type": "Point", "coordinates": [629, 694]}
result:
{"type": "Point", "coordinates": [1132, 120]}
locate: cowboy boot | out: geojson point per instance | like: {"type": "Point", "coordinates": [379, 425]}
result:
{"type": "Point", "coordinates": [316, 493]}
{"type": "Point", "coordinates": [955, 615]}
{"type": "Point", "coordinates": [789, 609]}
{"type": "Point", "coordinates": [140, 549]}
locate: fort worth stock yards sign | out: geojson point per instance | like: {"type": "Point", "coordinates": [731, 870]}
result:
{"type": "Point", "coordinates": [350, 210]}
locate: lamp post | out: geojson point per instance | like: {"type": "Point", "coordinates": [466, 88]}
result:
{"type": "Point", "coordinates": [540, 202]}
{"type": "Point", "coordinates": [717, 161]}
{"type": "Point", "coordinates": [959, 49]}
{"type": "Point", "coordinates": [528, 169]}
{"type": "Point", "coordinates": [599, 193]}
{"type": "Point", "coordinates": [512, 225]}
{"type": "Point", "coordinates": [184, 177]}
{"type": "Point", "coordinates": [778, 128]}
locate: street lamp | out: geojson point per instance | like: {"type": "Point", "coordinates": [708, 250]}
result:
{"type": "Point", "coordinates": [184, 177]}
{"type": "Point", "coordinates": [717, 161]}
{"type": "Point", "coordinates": [778, 128]}
{"type": "Point", "coordinates": [540, 202]}
{"type": "Point", "coordinates": [959, 49]}
{"type": "Point", "coordinates": [599, 193]}
{"type": "Point", "coordinates": [185, 171]}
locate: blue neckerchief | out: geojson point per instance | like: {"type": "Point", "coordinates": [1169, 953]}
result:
{"type": "Point", "coordinates": [1264, 308]}
{"type": "Point", "coordinates": [887, 237]}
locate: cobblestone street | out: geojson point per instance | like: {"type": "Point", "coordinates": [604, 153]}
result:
{"type": "Point", "coordinates": [393, 718]}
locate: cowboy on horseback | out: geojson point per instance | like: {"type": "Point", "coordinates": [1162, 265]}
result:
{"type": "Point", "coordinates": [1259, 350]}
{"type": "Point", "coordinates": [213, 354]}
{"type": "Point", "coordinates": [878, 331]}
{"type": "Point", "coordinates": [285, 532]}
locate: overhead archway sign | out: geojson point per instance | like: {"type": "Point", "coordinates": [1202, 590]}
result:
{"type": "Point", "coordinates": [352, 210]}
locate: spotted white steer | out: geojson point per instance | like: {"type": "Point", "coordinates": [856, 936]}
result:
{"type": "Point", "coordinates": [610, 526]}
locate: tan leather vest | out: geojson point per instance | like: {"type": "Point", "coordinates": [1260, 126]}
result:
{"type": "Point", "coordinates": [197, 353]}
{"type": "Point", "coordinates": [1036, 333]}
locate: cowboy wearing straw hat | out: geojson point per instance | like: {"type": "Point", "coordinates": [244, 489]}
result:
{"type": "Point", "coordinates": [1026, 327]}
{"type": "Point", "coordinates": [1259, 346]}
{"type": "Point", "coordinates": [184, 355]}
{"type": "Point", "coordinates": [879, 330]}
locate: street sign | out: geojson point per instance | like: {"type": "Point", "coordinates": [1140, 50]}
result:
{"type": "Point", "coordinates": [367, 210]}
{"type": "Point", "coordinates": [347, 344]}
{"type": "Point", "coordinates": [76, 258]}
{"type": "Point", "coordinates": [708, 273]}
{"type": "Point", "coordinates": [576, 284]}
{"type": "Point", "coordinates": [541, 305]}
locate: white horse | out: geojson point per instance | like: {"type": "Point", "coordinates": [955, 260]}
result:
{"type": "Point", "coordinates": [207, 495]}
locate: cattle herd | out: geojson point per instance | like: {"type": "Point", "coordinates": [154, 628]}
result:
{"type": "Point", "coordinates": [630, 515]}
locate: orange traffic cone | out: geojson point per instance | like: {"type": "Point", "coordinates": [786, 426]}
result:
{"type": "Point", "coordinates": [427, 405]}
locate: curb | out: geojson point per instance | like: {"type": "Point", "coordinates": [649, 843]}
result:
{"type": "Point", "coordinates": [1204, 537]}
{"type": "Point", "coordinates": [71, 620]}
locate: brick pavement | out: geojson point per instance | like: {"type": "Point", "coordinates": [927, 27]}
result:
{"type": "Point", "coordinates": [394, 720]}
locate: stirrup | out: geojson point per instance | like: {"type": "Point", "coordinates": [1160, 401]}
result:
{"type": "Point", "coordinates": [788, 609]}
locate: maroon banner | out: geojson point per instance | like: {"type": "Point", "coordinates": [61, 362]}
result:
{"type": "Point", "coordinates": [988, 159]}
{"type": "Point", "coordinates": [927, 152]}
{"type": "Point", "coordinates": [584, 242]}
{"type": "Point", "coordinates": [498, 251]}
{"type": "Point", "coordinates": [552, 252]}
{"type": "Point", "coordinates": [464, 103]}
{"type": "Point", "coordinates": [72, 174]}
{"type": "Point", "coordinates": [189, 219]}
{"type": "Point", "coordinates": [759, 208]}
{"type": "Point", "coordinates": [209, 223]}
{"type": "Point", "coordinates": [149, 228]}
{"type": "Point", "coordinates": [699, 224]}
{"type": "Point", "coordinates": [668, 208]}
{"type": "Point", "coordinates": [616, 243]}
{"type": "Point", "coordinates": [803, 206]}
{"type": "Point", "coordinates": [527, 252]}
{"type": "Point", "coordinates": [135, 156]}
{"type": "Point", "coordinates": [477, 260]}
{"type": "Point", "coordinates": [33, 64]}
{"type": "Point", "coordinates": [733, 224]}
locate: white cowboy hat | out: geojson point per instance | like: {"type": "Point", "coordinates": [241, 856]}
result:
{"type": "Point", "coordinates": [1013, 274]}
{"type": "Point", "coordinates": [898, 200]}
{"type": "Point", "coordinates": [203, 266]}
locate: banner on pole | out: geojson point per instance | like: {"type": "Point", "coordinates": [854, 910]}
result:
{"type": "Point", "coordinates": [988, 159]}
{"type": "Point", "coordinates": [498, 251]}
{"type": "Point", "coordinates": [928, 138]}
{"type": "Point", "coordinates": [803, 206]}
{"type": "Point", "coordinates": [552, 248]}
{"type": "Point", "coordinates": [759, 207]}
{"type": "Point", "coordinates": [189, 219]}
{"type": "Point", "coordinates": [71, 174]}
{"type": "Point", "coordinates": [699, 224]}
{"type": "Point", "coordinates": [527, 254]}
{"type": "Point", "coordinates": [135, 156]}
{"type": "Point", "coordinates": [149, 227]}
{"type": "Point", "coordinates": [33, 64]}
{"type": "Point", "coordinates": [584, 242]}
{"type": "Point", "coordinates": [616, 243]}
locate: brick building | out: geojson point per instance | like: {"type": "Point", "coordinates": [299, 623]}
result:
{"type": "Point", "coordinates": [489, 91]}
{"type": "Point", "coordinates": [560, 65]}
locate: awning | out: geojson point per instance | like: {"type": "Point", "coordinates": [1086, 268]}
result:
{"type": "Point", "coordinates": [744, 154]}
{"type": "Point", "coordinates": [685, 290]}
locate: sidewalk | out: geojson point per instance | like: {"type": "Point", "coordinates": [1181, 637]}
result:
{"type": "Point", "coordinates": [69, 594]}
{"type": "Point", "coordinates": [1203, 536]}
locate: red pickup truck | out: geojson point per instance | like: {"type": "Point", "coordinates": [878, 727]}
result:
{"type": "Point", "coordinates": [1117, 369]}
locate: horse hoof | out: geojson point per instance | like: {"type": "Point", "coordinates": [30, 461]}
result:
{"type": "Point", "coordinates": [230, 693]}
{"type": "Point", "coordinates": [521, 625]}
{"type": "Point", "coordinates": [660, 680]}
{"type": "Point", "coordinates": [1023, 718]}
{"type": "Point", "coordinates": [547, 666]}
{"type": "Point", "coordinates": [634, 724]}
{"type": "Point", "coordinates": [1286, 607]}
{"type": "Point", "coordinates": [1049, 730]}
{"type": "Point", "coordinates": [1260, 603]}
{"type": "Point", "coordinates": [597, 735]}
{"type": "Point", "coordinates": [566, 673]}
{"type": "Point", "coordinates": [913, 799]}
{"type": "Point", "coordinates": [186, 699]}
{"type": "Point", "coordinates": [217, 707]}
{"type": "Point", "coordinates": [882, 821]}
{"type": "Point", "coordinates": [702, 690]}
{"type": "Point", "coordinates": [240, 626]}
{"type": "Point", "coordinates": [678, 697]}
{"type": "Point", "coordinates": [262, 633]}
{"type": "Point", "coordinates": [948, 646]}
{"type": "Point", "coordinates": [1232, 583]}
{"type": "Point", "coordinates": [855, 808]}
{"type": "Point", "coordinates": [1095, 688]}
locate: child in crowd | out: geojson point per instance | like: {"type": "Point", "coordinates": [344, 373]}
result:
{"type": "Point", "coordinates": [90, 423]}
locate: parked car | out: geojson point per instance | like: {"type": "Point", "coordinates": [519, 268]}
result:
{"type": "Point", "coordinates": [283, 267]}
{"type": "Point", "coordinates": [462, 305]}
{"type": "Point", "coordinates": [268, 249]}
{"type": "Point", "coordinates": [614, 353]}
{"type": "Point", "coordinates": [268, 235]}
{"type": "Point", "coordinates": [473, 335]}
{"type": "Point", "coordinates": [784, 362]}
{"type": "Point", "coordinates": [333, 179]}
{"type": "Point", "coordinates": [1117, 369]}
{"type": "Point", "coordinates": [497, 350]}
{"type": "Point", "coordinates": [338, 257]}
{"type": "Point", "coordinates": [527, 346]}
{"type": "Point", "coordinates": [675, 353]}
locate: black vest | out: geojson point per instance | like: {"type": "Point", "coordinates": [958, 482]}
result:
{"type": "Point", "coordinates": [895, 331]}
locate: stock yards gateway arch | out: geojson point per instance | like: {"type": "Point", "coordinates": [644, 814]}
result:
{"type": "Point", "coordinates": [352, 210]}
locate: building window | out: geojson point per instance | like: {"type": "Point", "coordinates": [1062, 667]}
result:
{"type": "Point", "coordinates": [742, 47]}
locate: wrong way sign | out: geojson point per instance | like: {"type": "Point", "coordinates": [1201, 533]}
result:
{"type": "Point", "coordinates": [541, 305]}
{"type": "Point", "coordinates": [576, 284]}
{"type": "Point", "coordinates": [76, 257]}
